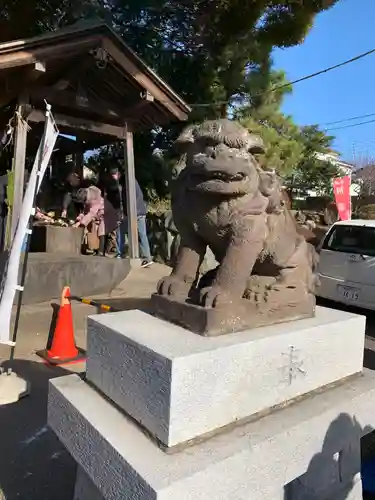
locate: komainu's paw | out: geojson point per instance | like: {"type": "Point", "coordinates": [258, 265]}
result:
{"type": "Point", "coordinates": [258, 292]}
{"type": "Point", "coordinates": [172, 285]}
{"type": "Point", "coordinates": [214, 296]}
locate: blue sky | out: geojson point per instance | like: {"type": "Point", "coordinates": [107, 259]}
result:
{"type": "Point", "coordinates": [338, 34]}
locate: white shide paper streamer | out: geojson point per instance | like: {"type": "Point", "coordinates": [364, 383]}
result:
{"type": "Point", "coordinates": [9, 283]}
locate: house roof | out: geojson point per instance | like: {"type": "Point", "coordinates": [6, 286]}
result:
{"type": "Point", "coordinates": [89, 71]}
{"type": "Point", "coordinates": [365, 173]}
{"type": "Point", "coordinates": [334, 158]}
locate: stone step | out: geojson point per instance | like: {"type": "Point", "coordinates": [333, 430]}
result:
{"type": "Point", "coordinates": [181, 386]}
{"type": "Point", "coordinates": [314, 441]}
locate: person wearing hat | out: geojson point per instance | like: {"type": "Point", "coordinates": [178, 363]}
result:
{"type": "Point", "coordinates": [97, 212]}
{"type": "Point", "coordinates": [115, 191]}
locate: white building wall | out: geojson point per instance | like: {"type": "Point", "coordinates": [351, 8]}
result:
{"type": "Point", "coordinates": [344, 168]}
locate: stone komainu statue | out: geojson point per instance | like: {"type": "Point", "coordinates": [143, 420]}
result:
{"type": "Point", "coordinates": [223, 199]}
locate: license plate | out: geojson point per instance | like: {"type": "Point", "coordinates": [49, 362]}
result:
{"type": "Point", "coordinates": [348, 292]}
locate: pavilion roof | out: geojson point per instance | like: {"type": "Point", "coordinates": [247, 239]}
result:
{"type": "Point", "coordinates": [87, 72]}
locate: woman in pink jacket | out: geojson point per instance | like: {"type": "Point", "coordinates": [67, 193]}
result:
{"type": "Point", "coordinates": [98, 211]}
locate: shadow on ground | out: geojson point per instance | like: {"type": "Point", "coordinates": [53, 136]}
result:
{"type": "Point", "coordinates": [33, 464]}
{"type": "Point", "coordinates": [368, 441]}
{"type": "Point", "coordinates": [55, 312]}
{"type": "Point", "coordinates": [334, 472]}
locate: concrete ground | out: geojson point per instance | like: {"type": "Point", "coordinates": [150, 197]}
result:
{"type": "Point", "coordinates": [33, 464]}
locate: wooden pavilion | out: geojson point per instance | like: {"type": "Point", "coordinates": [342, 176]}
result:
{"type": "Point", "coordinates": [99, 89]}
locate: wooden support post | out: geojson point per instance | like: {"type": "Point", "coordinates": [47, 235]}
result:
{"type": "Point", "coordinates": [79, 158]}
{"type": "Point", "coordinates": [19, 159]}
{"type": "Point", "coordinates": [131, 201]}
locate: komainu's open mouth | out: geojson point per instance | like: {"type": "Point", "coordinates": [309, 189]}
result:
{"type": "Point", "coordinates": [222, 176]}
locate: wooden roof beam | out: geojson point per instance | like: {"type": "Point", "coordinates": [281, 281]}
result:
{"type": "Point", "coordinates": [144, 81]}
{"type": "Point", "coordinates": [69, 99]}
{"type": "Point", "coordinates": [39, 68]}
{"type": "Point", "coordinates": [61, 50]}
{"type": "Point", "coordinates": [77, 124]}
{"type": "Point", "coordinates": [64, 82]}
{"type": "Point", "coordinates": [18, 85]}
{"type": "Point", "coordinates": [134, 112]}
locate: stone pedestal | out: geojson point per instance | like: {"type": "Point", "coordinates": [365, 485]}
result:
{"type": "Point", "coordinates": [168, 374]}
{"type": "Point", "coordinates": [275, 413]}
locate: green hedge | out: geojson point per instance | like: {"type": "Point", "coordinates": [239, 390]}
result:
{"type": "Point", "coordinates": [365, 212]}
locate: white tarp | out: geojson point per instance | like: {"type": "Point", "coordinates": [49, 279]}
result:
{"type": "Point", "coordinates": [9, 281]}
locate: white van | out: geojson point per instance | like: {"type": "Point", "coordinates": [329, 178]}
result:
{"type": "Point", "coordinates": [347, 264]}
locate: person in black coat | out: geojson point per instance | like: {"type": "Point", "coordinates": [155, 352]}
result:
{"type": "Point", "coordinates": [116, 194]}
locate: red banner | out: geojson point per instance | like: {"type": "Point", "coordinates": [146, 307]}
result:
{"type": "Point", "coordinates": [341, 190]}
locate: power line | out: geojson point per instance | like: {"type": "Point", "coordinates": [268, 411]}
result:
{"type": "Point", "coordinates": [284, 85]}
{"type": "Point", "coordinates": [363, 143]}
{"type": "Point", "coordinates": [350, 126]}
{"type": "Point", "coordinates": [352, 118]}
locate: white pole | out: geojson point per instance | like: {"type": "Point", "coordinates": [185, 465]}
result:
{"type": "Point", "coordinates": [350, 194]}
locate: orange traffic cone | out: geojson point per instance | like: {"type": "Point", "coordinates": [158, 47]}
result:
{"type": "Point", "coordinates": [63, 349]}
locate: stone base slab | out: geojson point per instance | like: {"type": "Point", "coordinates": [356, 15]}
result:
{"type": "Point", "coordinates": [352, 490]}
{"type": "Point", "coordinates": [236, 317]}
{"type": "Point", "coordinates": [255, 460]}
{"type": "Point", "coordinates": [85, 489]}
{"type": "Point", "coordinates": [181, 386]}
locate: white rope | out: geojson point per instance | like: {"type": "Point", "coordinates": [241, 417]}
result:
{"type": "Point", "coordinates": [8, 134]}
{"type": "Point", "coordinates": [23, 121]}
